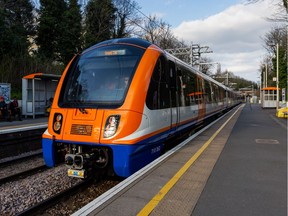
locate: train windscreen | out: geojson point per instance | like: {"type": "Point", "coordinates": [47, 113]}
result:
{"type": "Point", "coordinates": [100, 76]}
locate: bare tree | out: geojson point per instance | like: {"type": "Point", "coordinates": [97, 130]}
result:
{"type": "Point", "coordinates": [127, 18]}
{"type": "Point", "coordinates": [277, 36]}
{"type": "Point", "coordinates": [281, 2]}
{"type": "Point", "coordinates": [282, 13]}
{"type": "Point", "coordinates": [266, 69]}
{"type": "Point", "coordinates": [206, 66]}
{"type": "Point", "coordinates": [159, 32]}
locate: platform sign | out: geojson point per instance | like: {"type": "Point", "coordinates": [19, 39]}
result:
{"type": "Point", "coordinates": [5, 91]}
{"type": "Point", "coordinates": [283, 94]}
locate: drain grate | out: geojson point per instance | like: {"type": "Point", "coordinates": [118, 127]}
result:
{"type": "Point", "coordinates": [266, 141]}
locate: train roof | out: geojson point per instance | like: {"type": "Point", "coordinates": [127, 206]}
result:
{"type": "Point", "coordinates": [135, 41]}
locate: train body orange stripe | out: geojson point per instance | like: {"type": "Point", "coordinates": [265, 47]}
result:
{"type": "Point", "coordinates": [137, 92]}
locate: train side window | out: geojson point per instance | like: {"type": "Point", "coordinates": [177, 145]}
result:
{"type": "Point", "coordinates": [216, 94]}
{"type": "Point", "coordinates": [208, 91]}
{"type": "Point", "coordinates": [189, 90]}
{"type": "Point", "coordinates": [173, 83]}
{"type": "Point", "coordinates": [181, 86]}
{"type": "Point", "coordinates": [200, 89]}
{"type": "Point", "coordinates": [158, 92]}
{"type": "Point", "coordinates": [186, 84]}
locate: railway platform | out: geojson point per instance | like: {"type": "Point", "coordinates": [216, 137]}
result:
{"type": "Point", "coordinates": [238, 166]}
{"type": "Point", "coordinates": [25, 124]}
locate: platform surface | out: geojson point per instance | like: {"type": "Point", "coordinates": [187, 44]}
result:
{"type": "Point", "coordinates": [25, 121]}
{"type": "Point", "coordinates": [250, 177]}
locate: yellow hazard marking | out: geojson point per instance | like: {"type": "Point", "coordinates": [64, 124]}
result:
{"type": "Point", "coordinates": [160, 195]}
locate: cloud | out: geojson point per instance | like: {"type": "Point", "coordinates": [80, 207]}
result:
{"type": "Point", "coordinates": [234, 35]}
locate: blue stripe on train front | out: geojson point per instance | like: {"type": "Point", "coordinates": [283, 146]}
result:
{"type": "Point", "coordinates": [48, 150]}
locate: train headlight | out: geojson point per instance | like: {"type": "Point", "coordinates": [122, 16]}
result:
{"type": "Point", "coordinates": [111, 125]}
{"type": "Point", "coordinates": [56, 126]}
{"type": "Point", "coordinates": [59, 117]}
{"type": "Point", "coordinates": [57, 122]}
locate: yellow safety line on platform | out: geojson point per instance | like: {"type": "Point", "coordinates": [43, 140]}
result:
{"type": "Point", "coordinates": [160, 195]}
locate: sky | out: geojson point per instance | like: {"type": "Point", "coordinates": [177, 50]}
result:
{"type": "Point", "coordinates": [232, 29]}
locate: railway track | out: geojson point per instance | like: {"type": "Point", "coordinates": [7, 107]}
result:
{"type": "Point", "coordinates": [19, 142]}
{"type": "Point", "coordinates": [19, 195]}
{"type": "Point", "coordinates": [81, 198]}
{"type": "Point", "coordinates": [72, 198]}
{"type": "Point", "coordinates": [22, 174]}
{"type": "Point", "coordinates": [40, 207]}
{"type": "Point", "coordinates": [16, 168]}
{"type": "Point", "coordinates": [17, 159]}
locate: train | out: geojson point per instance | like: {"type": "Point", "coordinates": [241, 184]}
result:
{"type": "Point", "coordinates": [120, 102]}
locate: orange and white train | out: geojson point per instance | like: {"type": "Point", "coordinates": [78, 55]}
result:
{"type": "Point", "coordinates": [118, 104]}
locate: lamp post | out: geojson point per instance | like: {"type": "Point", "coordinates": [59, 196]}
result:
{"type": "Point", "coordinates": [266, 74]}
{"type": "Point", "coordinates": [277, 75]}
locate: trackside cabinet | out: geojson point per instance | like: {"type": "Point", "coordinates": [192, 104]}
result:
{"type": "Point", "coordinates": [37, 89]}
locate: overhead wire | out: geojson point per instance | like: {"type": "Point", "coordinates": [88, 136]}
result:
{"type": "Point", "coordinates": [151, 20]}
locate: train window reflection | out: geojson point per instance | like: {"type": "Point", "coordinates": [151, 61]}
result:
{"type": "Point", "coordinates": [102, 75]}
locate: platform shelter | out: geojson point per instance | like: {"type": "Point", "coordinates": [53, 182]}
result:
{"type": "Point", "coordinates": [269, 97]}
{"type": "Point", "coordinates": [37, 89]}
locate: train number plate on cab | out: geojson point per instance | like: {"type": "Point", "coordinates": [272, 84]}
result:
{"type": "Point", "coordinates": [76, 173]}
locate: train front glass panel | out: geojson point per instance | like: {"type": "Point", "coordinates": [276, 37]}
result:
{"type": "Point", "coordinates": [100, 77]}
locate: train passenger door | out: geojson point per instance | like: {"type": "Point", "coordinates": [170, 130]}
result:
{"type": "Point", "coordinates": [174, 103]}
{"type": "Point", "coordinates": [201, 98]}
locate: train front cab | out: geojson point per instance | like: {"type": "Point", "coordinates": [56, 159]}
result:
{"type": "Point", "coordinates": [79, 126]}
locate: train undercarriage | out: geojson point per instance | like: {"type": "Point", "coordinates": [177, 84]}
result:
{"type": "Point", "coordinates": [84, 161]}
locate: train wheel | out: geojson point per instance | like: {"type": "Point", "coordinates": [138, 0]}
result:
{"type": "Point", "coordinates": [102, 158]}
